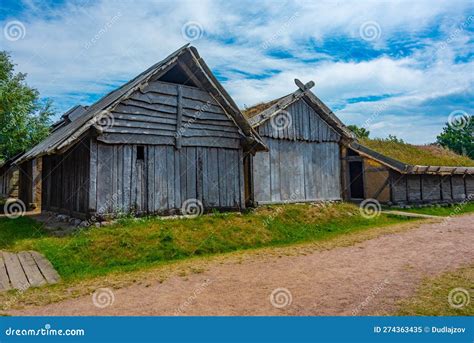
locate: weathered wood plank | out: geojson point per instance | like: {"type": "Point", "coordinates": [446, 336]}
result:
{"type": "Point", "coordinates": [170, 170]}
{"type": "Point", "coordinates": [15, 271]}
{"type": "Point", "coordinates": [32, 272]}
{"type": "Point", "coordinates": [92, 176]}
{"type": "Point", "coordinates": [127, 176]}
{"type": "Point", "coordinates": [46, 268]}
{"type": "Point", "coordinates": [4, 279]}
{"type": "Point", "coordinates": [179, 117]}
{"type": "Point", "coordinates": [213, 177]}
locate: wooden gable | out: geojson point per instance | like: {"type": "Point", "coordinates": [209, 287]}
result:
{"type": "Point", "coordinates": [299, 122]}
{"type": "Point", "coordinates": [166, 113]}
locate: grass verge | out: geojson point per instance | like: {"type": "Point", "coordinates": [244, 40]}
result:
{"type": "Point", "coordinates": [133, 244]}
{"type": "Point", "coordinates": [450, 294]}
{"type": "Point", "coordinates": [159, 272]}
{"type": "Point", "coordinates": [452, 210]}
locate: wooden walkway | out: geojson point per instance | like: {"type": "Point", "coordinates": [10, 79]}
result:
{"type": "Point", "coordinates": [410, 214]}
{"type": "Point", "coordinates": [25, 269]}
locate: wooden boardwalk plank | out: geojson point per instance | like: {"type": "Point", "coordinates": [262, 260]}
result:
{"type": "Point", "coordinates": [46, 268]}
{"type": "Point", "coordinates": [15, 271]}
{"type": "Point", "coordinates": [4, 279]}
{"type": "Point", "coordinates": [33, 274]}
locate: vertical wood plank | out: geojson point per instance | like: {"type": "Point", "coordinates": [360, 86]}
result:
{"type": "Point", "coordinates": [92, 177]}
{"type": "Point", "coordinates": [179, 116]}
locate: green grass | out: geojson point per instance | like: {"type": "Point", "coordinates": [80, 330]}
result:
{"type": "Point", "coordinates": [431, 299]}
{"type": "Point", "coordinates": [132, 244]}
{"type": "Point", "coordinates": [418, 154]}
{"type": "Point", "coordinates": [451, 210]}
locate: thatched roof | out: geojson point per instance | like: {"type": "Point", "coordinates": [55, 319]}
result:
{"type": "Point", "coordinates": [414, 159]}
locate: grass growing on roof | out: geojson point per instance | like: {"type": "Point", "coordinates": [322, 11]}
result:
{"type": "Point", "coordinates": [132, 244]}
{"type": "Point", "coordinates": [425, 155]}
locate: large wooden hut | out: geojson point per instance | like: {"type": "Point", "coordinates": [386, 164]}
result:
{"type": "Point", "coordinates": [304, 138]}
{"type": "Point", "coordinates": [169, 137]}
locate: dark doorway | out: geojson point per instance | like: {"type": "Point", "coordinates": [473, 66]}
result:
{"type": "Point", "coordinates": [356, 178]}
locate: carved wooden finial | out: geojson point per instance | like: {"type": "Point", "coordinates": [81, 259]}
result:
{"type": "Point", "coordinates": [304, 87]}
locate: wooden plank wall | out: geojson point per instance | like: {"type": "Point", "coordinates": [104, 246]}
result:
{"type": "Point", "coordinates": [65, 181]}
{"type": "Point", "coordinates": [165, 178]}
{"type": "Point", "coordinates": [25, 182]}
{"type": "Point", "coordinates": [303, 163]}
{"type": "Point", "coordinates": [305, 125]}
{"type": "Point", "coordinates": [431, 188]}
{"type": "Point", "coordinates": [149, 116]}
{"type": "Point", "coordinates": [9, 179]}
{"type": "Point", "coordinates": [296, 171]}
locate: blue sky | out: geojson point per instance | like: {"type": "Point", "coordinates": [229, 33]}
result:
{"type": "Point", "coordinates": [395, 67]}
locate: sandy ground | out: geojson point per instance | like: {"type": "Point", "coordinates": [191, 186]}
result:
{"type": "Point", "coordinates": [364, 279]}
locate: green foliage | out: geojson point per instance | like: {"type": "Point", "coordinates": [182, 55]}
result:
{"type": "Point", "coordinates": [360, 132]}
{"type": "Point", "coordinates": [459, 139]}
{"type": "Point", "coordinates": [24, 119]}
{"type": "Point", "coordinates": [394, 139]}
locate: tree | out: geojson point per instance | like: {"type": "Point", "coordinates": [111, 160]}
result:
{"type": "Point", "coordinates": [360, 132]}
{"type": "Point", "coordinates": [459, 138]}
{"type": "Point", "coordinates": [24, 118]}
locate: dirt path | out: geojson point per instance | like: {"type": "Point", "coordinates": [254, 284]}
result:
{"type": "Point", "coordinates": [367, 278]}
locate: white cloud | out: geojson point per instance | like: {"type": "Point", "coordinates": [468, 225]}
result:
{"type": "Point", "coordinates": [71, 51]}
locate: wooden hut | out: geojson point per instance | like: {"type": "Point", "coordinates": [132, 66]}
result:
{"type": "Point", "coordinates": [169, 137]}
{"type": "Point", "coordinates": [304, 138]}
{"type": "Point", "coordinates": [377, 176]}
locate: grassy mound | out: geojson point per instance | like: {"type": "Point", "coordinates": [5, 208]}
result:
{"type": "Point", "coordinates": [134, 243]}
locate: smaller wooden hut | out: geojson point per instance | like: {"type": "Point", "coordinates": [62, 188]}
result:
{"type": "Point", "coordinates": [371, 174]}
{"type": "Point", "coordinates": [304, 138]}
